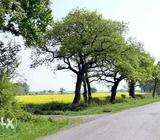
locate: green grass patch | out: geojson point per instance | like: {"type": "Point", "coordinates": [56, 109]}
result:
{"type": "Point", "coordinates": [39, 126]}
{"type": "Point", "coordinates": [98, 106]}
{"type": "Point", "coordinates": [120, 105]}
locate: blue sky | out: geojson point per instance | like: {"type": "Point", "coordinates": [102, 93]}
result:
{"type": "Point", "coordinates": [144, 24]}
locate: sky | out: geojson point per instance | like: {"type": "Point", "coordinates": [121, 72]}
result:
{"type": "Point", "coordinates": [142, 16]}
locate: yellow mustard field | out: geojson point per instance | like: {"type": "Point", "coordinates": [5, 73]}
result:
{"type": "Point", "coordinates": [65, 98]}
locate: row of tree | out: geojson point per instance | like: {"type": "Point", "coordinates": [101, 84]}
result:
{"type": "Point", "coordinates": [94, 49]}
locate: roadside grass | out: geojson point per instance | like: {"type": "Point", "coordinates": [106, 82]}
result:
{"type": "Point", "coordinates": [98, 106]}
{"type": "Point", "coordinates": [39, 126]}
{"type": "Point", "coordinates": [128, 103]}
{"type": "Point", "coordinates": [43, 124]}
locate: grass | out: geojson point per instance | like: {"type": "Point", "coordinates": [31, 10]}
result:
{"type": "Point", "coordinates": [108, 108]}
{"type": "Point", "coordinates": [35, 128]}
{"type": "Point", "coordinates": [40, 126]}
{"type": "Point", "coordinates": [98, 106]}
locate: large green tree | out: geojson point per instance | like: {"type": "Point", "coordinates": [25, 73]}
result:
{"type": "Point", "coordinates": [80, 40]}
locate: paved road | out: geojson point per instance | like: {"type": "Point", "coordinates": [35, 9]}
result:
{"type": "Point", "coordinates": [142, 123]}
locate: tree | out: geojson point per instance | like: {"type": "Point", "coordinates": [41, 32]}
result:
{"type": "Point", "coordinates": [28, 18]}
{"type": "Point", "coordinates": [8, 58]}
{"type": "Point", "coordinates": [87, 94]}
{"type": "Point", "coordinates": [94, 90]}
{"type": "Point", "coordinates": [156, 78]}
{"type": "Point", "coordinates": [79, 40]}
{"type": "Point", "coordinates": [143, 67]}
{"type": "Point", "coordinates": [7, 92]}
{"type": "Point", "coordinates": [147, 86]}
{"type": "Point", "coordinates": [51, 91]}
{"type": "Point", "coordinates": [23, 88]}
{"type": "Point", "coordinates": [8, 65]}
{"type": "Point", "coordinates": [61, 90]}
{"type": "Point", "coordinates": [135, 67]}
{"type": "Point", "coordinates": [112, 70]}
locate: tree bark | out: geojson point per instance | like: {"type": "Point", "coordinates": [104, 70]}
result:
{"type": "Point", "coordinates": [89, 90]}
{"type": "Point", "coordinates": [154, 88]}
{"type": "Point", "coordinates": [114, 91]}
{"type": "Point", "coordinates": [78, 88]}
{"type": "Point", "coordinates": [85, 96]}
{"type": "Point", "coordinates": [132, 89]}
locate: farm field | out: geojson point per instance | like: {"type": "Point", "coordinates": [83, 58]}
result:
{"type": "Point", "coordinates": [65, 98]}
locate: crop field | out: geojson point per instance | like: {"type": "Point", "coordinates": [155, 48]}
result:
{"type": "Point", "coordinates": [64, 98]}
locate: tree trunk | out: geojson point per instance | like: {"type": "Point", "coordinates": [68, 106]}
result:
{"type": "Point", "coordinates": [154, 88]}
{"type": "Point", "coordinates": [89, 90]}
{"type": "Point", "coordinates": [85, 96]}
{"type": "Point", "coordinates": [78, 89]}
{"type": "Point", "coordinates": [114, 91]}
{"type": "Point", "coordinates": [144, 90]}
{"type": "Point", "coordinates": [132, 89]}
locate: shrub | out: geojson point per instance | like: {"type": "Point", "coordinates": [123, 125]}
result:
{"type": "Point", "coordinates": [7, 99]}
{"type": "Point", "coordinates": [140, 96]}
{"type": "Point", "coordinates": [106, 110]}
{"type": "Point", "coordinates": [123, 95]}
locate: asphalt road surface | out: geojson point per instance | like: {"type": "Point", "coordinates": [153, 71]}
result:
{"type": "Point", "coordinates": [141, 123]}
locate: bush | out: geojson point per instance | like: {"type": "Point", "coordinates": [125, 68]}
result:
{"type": "Point", "coordinates": [7, 92]}
{"type": "Point", "coordinates": [54, 108]}
{"type": "Point", "coordinates": [78, 107]}
{"type": "Point", "coordinates": [106, 110]}
{"type": "Point", "coordinates": [123, 95]}
{"type": "Point", "coordinates": [98, 101]}
{"type": "Point", "coordinates": [93, 90]}
{"type": "Point", "coordinates": [8, 102]}
{"type": "Point", "coordinates": [140, 96]}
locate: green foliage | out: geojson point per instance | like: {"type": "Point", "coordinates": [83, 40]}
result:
{"type": "Point", "coordinates": [62, 90]}
{"type": "Point", "coordinates": [23, 88]}
{"type": "Point", "coordinates": [93, 90]}
{"type": "Point", "coordinates": [153, 84]}
{"type": "Point", "coordinates": [156, 72]}
{"type": "Point", "coordinates": [81, 36]}
{"type": "Point", "coordinates": [8, 101]}
{"type": "Point", "coordinates": [142, 63]}
{"type": "Point", "coordinates": [82, 31]}
{"type": "Point", "coordinates": [28, 18]}
{"type": "Point", "coordinates": [133, 63]}
{"type": "Point", "coordinates": [7, 92]}
{"type": "Point", "coordinates": [97, 106]}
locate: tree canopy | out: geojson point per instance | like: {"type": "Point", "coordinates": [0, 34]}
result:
{"type": "Point", "coordinates": [80, 40]}
{"type": "Point", "coordinates": [28, 18]}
